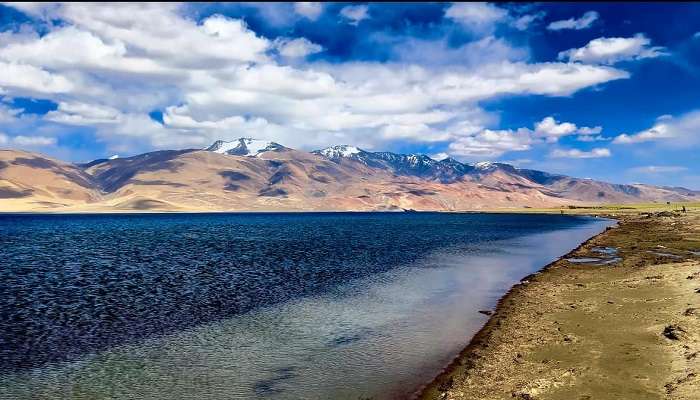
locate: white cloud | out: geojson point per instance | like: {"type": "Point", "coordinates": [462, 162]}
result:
{"type": "Point", "coordinates": [658, 169]}
{"type": "Point", "coordinates": [486, 50]}
{"type": "Point", "coordinates": [552, 130]}
{"type": "Point", "coordinates": [29, 80]}
{"type": "Point", "coordinates": [575, 23]}
{"type": "Point", "coordinates": [147, 27]}
{"type": "Point", "coordinates": [355, 14]}
{"type": "Point", "coordinates": [576, 153]}
{"type": "Point", "coordinates": [8, 114]}
{"type": "Point", "coordinates": [482, 18]}
{"type": "Point", "coordinates": [4, 138]}
{"type": "Point", "coordinates": [33, 140]}
{"type": "Point", "coordinates": [657, 132]}
{"type": "Point", "coordinates": [107, 67]}
{"type": "Point", "coordinates": [491, 143]}
{"type": "Point", "coordinates": [296, 48]}
{"type": "Point", "coordinates": [611, 50]}
{"type": "Point", "coordinates": [477, 17]}
{"type": "Point", "coordinates": [523, 22]}
{"type": "Point", "coordinates": [308, 9]}
{"type": "Point", "coordinates": [592, 138]}
{"type": "Point", "coordinates": [413, 131]}
{"type": "Point", "coordinates": [439, 156]}
{"type": "Point", "coordinates": [75, 113]}
{"type": "Point", "coordinates": [680, 132]}
{"type": "Point", "coordinates": [586, 130]}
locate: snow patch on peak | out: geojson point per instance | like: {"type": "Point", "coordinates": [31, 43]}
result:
{"type": "Point", "coordinates": [256, 146]}
{"type": "Point", "coordinates": [114, 157]}
{"type": "Point", "coordinates": [339, 151]}
{"type": "Point", "coordinates": [222, 147]}
{"type": "Point", "coordinates": [485, 165]}
{"type": "Point", "coordinates": [243, 147]}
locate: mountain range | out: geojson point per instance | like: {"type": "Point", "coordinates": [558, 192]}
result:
{"type": "Point", "coordinates": [257, 175]}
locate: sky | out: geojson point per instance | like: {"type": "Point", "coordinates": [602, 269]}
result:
{"type": "Point", "coordinates": [595, 90]}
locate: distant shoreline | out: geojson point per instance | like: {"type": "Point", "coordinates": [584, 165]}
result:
{"type": "Point", "coordinates": [497, 359]}
{"type": "Point", "coordinates": [591, 210]}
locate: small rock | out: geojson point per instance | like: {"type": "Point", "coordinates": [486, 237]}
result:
{"type": "Point", "coordinates": [486, 312]}
{"type": "Point", "coordinates": [522, 395]}
{"type": "Point", "coordinates": [690, 312]}
{"type": "Point", "coordinates": [673, 332]}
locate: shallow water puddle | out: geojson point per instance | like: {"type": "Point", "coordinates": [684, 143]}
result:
{"type": "Point", "coordinates": [605, 250]}
{"type": "Point", "coordinates": [583, 260]}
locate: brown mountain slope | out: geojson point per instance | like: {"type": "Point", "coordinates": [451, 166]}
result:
{"type": "Point", "coordinates": [280, 178]}
{"type": "Point", "coordinates": [285, 180]}
{"type": "Point", "coordinates": [30, 181]}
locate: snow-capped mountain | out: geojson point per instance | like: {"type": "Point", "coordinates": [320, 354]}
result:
{"type": "Point", "coordinates": [401, 164]}
{"type": "Point", "coordinates": [335, 178]}
{"type": "Point", "coordinates": [244, 147]}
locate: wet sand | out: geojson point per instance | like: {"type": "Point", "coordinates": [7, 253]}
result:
{"type": "Point", "coordinates": [626, 328]}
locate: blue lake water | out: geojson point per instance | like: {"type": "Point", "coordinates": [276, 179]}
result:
{"type": "Point", "coordinates": [240, 306]}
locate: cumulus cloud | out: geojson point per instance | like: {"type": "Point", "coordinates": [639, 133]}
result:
{"type": "Point", "coordinates": [552, 130]}
{"type": "Point", "coordinates": [216, 78]}
{"type": "Point", "coordinates": [658, 169]}
{"type": "Point", "coordinates": [576, 153]}
{"type": "Point", "coordinates": [308, 9]}
{"type": "Point", "coordinates": [296, 48]}
{"type": "Point", "coordinates": [611, 50]}
{"type": "Point", "coordinates": [128, 29]}
{"type": "Point", "coordinates": [4, 138]}
{"type": "Point", "coordinates": [476, 141]}
{"type": "Point", "coordinates": [75, 113]}
{"type": "Point", "coordinates": [681, 131]}
{"type": "Point", "coordinates": [355, 14]}
{"type": "Point", "coordinates": [491, 143]}
{"type": "Point", "coordinates": [29, 80]}
{"type": "Point", "coordinates": [575, 23]}
{"type": "Point", "coordinates": [476, 17]}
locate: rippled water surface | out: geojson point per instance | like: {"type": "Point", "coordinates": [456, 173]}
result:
{"type": "Point", "coordinates": [238, 306]}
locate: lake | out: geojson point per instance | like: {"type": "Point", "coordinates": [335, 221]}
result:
{"type": "Point", "coordinates": [259, 305]}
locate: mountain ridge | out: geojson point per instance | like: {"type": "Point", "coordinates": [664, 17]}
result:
{"type": "Point", "coordinates": [256, 175]}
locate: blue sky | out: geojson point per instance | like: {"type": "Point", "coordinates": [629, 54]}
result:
{"type": "Point", "coordinates": [607, 91]}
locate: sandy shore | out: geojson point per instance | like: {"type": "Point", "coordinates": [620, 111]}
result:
{"type": "Point", "coordinates": [624, 330]}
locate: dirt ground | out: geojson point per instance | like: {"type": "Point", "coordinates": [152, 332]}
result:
{"type": "Point", "coordinates": [624, 326]}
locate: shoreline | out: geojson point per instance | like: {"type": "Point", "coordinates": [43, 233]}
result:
{"type": "Point", "coordinates": [472, 367]}
{"type": "Point", "coordinates": [601, 210]}
{"type": "Point", "coordinates": [491, 324]}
